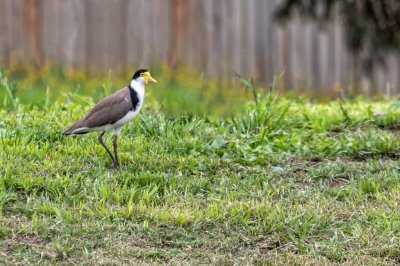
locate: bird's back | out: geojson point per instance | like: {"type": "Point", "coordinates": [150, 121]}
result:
{"type": "Point", "coordinates": [106, 112]}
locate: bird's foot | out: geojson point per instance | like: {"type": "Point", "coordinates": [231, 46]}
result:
{"type": "Point", "coordinates": [116, 165]}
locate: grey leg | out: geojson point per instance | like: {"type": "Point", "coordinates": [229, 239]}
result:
{"type": "Point", "coordinates": [100, 138]}
{"type": "Point", "coordinates": [116, 162]}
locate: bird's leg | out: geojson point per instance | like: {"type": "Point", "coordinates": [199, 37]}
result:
{"type": "Point", "coordinates": [100, 138]}
{"type": "Point", "coordinates": [116, 162]}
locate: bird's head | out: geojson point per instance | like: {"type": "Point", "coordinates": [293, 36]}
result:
{"type": "Point", "coordinates": [143, 76]}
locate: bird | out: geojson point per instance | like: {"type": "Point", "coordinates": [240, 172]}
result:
{"type": "Point", "coordinates": [114, 111]}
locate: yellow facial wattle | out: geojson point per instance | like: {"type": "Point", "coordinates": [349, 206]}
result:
{"type": "Point", "coordinates": [148, 77]}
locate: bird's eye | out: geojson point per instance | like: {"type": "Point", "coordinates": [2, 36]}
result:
{"type": "Point", "coordinates": [141, 74]}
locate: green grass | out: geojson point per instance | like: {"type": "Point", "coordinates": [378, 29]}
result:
{"type": "Point", "coordinates": [285, 181]}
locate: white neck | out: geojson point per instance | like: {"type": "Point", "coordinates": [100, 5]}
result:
{"type": "Point", "coordinates": [138, 86]}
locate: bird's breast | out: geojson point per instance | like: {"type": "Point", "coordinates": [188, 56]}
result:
{"type": "Point", "coordinates": [128, 117]}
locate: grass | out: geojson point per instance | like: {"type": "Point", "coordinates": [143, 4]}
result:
{"type": "Point", "coordinates": [285, 181]}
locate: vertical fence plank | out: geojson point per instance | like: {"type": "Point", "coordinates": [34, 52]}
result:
{"type": "Point", "coordinates": [32, 33]}
{"type": "Point", "coordinates": [246, 35]}
{"type": "Point", "coordinates": [316, 69]}
{"type": "Point", "coordinates": [209, 66]}
{"type": "Point", "coordinates": [268, 42]}
{"type": "Point", "coordinates": [235, 42]}
{"type": "Point", "coordinates": [296, 54]}
{"type": "Point", "coordinates": [133, 33]}
{"type": "Point", "coordinates": [217, 48]}
{"type": "Point", "coordinates": [160, 30]}
{"type": "Point", "coordinates": [224, 68]}
{"type": "Point", "coordinates": [200, 40]}
{"type": "Point", "coordinates": [230, 41]}
{"type": "Point", "coordinates": [323, 51]}
{"type": "Point", "coordinates": [4, 47]}
{"type": "Point", "coordinates": [72, 48]}
{"type": "Point", "coordinates": [308, 56]}
{"type": "Point", "coordinates": [286, 41]}
{"type": "Point", "coordinates": [344, 63]}
{"type": "Point", "coordinates": [95, 20]}
{"type": "Point", "coordinates": [151, 27]}
{"type": "Point", "coordinates": [259, 21]}
{"type": "Point", "coordinates": [252, 36]}
{"type": "Point", "coordinates": [189, 34]}
{"type": "Point", "coordinates": [115, 40]}
{"type": "Point", "coordinates": [331, 57]}
{"type": "Point", "coordinates": [15, 12]}
{"type": "Point", "coordinates": [145, 33]}
{"type": "Point", "coordinates": [277, 42]}
{"type": "Point", "coordinates": [179, 28]}
{"type": "Point", "coordinates": [49, 22]}
{"type": "Point", "coordinates": [337, 41]}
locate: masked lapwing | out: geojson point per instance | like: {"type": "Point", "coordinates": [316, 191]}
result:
{"type": "Point", "coordinates": [114, 111]}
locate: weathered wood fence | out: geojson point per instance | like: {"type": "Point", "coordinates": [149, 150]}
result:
{"type": "Point", "coordinates": [216, 37]}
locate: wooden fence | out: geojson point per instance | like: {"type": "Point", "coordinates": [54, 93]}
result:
{"type": "Point", "coordinates": [216, 37]}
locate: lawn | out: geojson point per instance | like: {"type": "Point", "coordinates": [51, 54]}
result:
{"type": "Point", "coordinates": [284, 180]}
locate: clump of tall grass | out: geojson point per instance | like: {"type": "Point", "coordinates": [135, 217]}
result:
{"type": "Point", "coordinates": [265, 113]}
{"type": "Point", "coordinates": [10, 99]}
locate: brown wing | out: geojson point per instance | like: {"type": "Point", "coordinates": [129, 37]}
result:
{"type": "Point", "coordinates": [107, 111]}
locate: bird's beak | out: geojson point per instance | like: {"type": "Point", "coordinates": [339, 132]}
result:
{"type": "Point", "coordinates": [150, 78]}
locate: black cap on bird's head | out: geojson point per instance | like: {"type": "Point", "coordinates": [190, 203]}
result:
{"type": "Point", "coordinates": [138, 72]}
{"type": "Point", "coordinates": [145, 74]}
